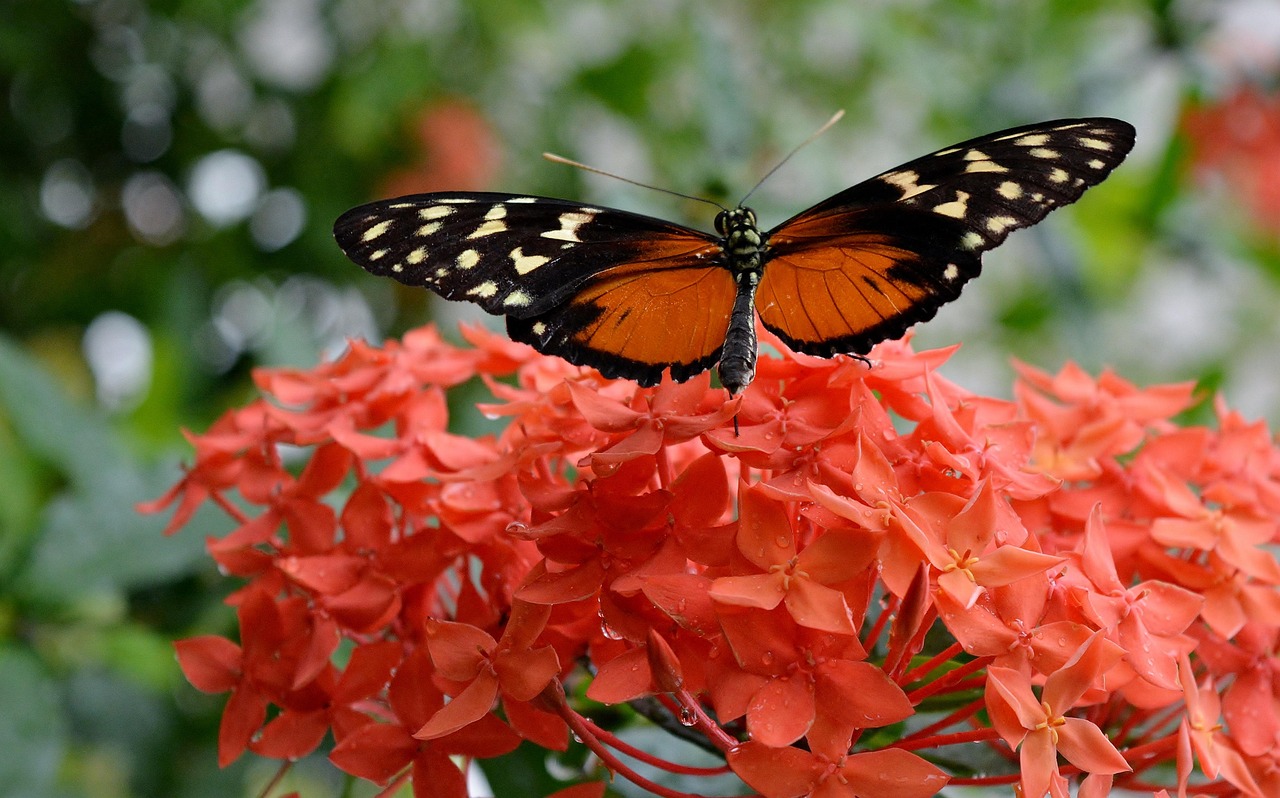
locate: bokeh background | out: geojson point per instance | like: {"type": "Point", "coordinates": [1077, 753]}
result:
{"type": "Point", "coordinates": [169, 172]}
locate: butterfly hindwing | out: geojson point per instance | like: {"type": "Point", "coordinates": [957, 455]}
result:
{"type": "Point", "coordinates": [548, 266]}
{"type": "Point", "coordinates": [869, 262]}
{"type": "Point", "coordinates": [637, 319]}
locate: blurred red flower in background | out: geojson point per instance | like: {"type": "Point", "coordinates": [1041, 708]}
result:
{"type": "Point", "coordinates": [1239, 138]}
{"type": "Point", "coordinates": [456, 151]}
{"type": "Point", "coordinates": [878, 571]}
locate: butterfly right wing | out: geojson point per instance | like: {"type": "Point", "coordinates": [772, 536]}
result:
{"type": "Point", "coordinates": [869, 262]}
{"type": "Point", "coordinates": [629, 295]}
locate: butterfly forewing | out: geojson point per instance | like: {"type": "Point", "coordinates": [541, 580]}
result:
{"type": "Point", "coordinates": [869, 262]}
{"type": "Point", "coordinates": [627, 294]}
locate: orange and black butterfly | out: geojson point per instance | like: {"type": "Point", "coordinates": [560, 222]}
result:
{"type": "Point", "coordinates": [634, 296]}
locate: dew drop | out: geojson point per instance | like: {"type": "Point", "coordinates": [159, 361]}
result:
{"type": "Point", "coordinates": [517, 528]}
{"type": "Point", "coordinates": [687, 718]}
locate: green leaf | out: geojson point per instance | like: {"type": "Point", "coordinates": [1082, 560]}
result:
{"type": "Point", "coordinates": [90, 538]}
{"type": "Point", "coordinates": [33, 735]}
{"type": "Point", "coordinates": [95, 541]}
{"type": "Point", "coordinates": [76, 441]}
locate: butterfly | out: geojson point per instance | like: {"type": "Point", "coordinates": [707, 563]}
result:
{"type": "Point", "coordinates": [634, 296]}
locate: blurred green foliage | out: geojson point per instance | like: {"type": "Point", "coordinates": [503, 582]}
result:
{"type": "Point", "coordinates": [169, 172]}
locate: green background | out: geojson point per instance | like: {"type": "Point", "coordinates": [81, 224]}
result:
{"type": "Point", "coordinates": [169, 172]}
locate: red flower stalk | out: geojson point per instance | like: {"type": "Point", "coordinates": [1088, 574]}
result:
{"type": "Point", "coordinates": [879, 570]}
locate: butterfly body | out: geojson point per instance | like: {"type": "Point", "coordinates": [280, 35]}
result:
{"type": "Point", "coordinates": [744, 250]}
{"type": "Point", "coordinates": [634, 296]}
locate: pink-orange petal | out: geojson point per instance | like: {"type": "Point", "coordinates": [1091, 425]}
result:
{"type": "Point", "coordinates": [763, 591]}
{"type": "Point", "coordinates": [458, 650]}
{"type": "Point", "coordinates": [819, 607]}
{"type": "Point", "coordinates": [376, 751]}
{"type": "Point", "coordinates": [1085, 746]}
{"type": "Point", "coordinates": [622, 678]}
{"type": "Point", "coordinates": [764, 529]}
{"type": "Point", "coordinates": [210, 663]}
{"type": "Point", "coordinates": [775, 772]}
{"type": "Point", "coordinates": [781, 711]}
{"type": "Point", "coordinates": [474, 702]}
{"type": "Point", "coordinates": [525, 673]}
{"type": "Point", "coordinates": [892, 773]}
{"type": "Point", "coordinates": [1039, 763]}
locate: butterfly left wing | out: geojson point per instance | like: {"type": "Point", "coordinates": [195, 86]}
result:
{"type": "Point", "coordinates": [864, 265]}
{"type": "Point", "coordinates": [627, 294]}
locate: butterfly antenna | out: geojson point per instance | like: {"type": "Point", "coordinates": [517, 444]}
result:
{"type": "Point", "coordinates": [550, 156]}
{"type": "Point", "coordinates": [825, 126]}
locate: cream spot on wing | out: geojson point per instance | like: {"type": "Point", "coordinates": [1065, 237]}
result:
{"type": "Point", "coordinates": [998, 224]}
{"type": "Point", "coordinates": [570, 221]}
{"type": "Point", "coordinates": [490, 227]}
{"type": "Point", "coordinates": [1009, 190]}
{"type": "Point", "coordinates": [516, 299]}
{"type": "Point", "coordinates": [522, 200]}
{"type": "Point", "coordinates": [1071, 126]}
{"type": "Point", "coordinates": [984, 166]}
{"type": "Point", "coordinates": [975, 155]}
{"type": "Point", "coordinates": [375, 231]}
{"type": "Point", "coordinates": [971, 240]}
{"type": "Point", "coordinates": [398, 267]}
{"type": "Point", "coordinates": [417, 256]}
{"type": "Point", "coordinates": [907, 182]}
{"type": "Point", "coordinates": [434, 212]}
{"type": "Point", "coordinates": [400, 205]}
{"type": "Point", "coordinates": [378, 254]}
{"type": "Point", "coordinates": [1032, 140]}
{"type": "Point", "coordinates": [947, 151]}
{"type": "Point", "coordinates": [1095, 144]}
{"type": "Point", "coordinates": [456, 200]}
{"type": "Point", "coordinates": [429, 228]}
{"type": "Point", "coordinates": [496, 212]}
{"type": "Point", "coordinates": [951, 272]}
{"type": "Point", "coordinates": [539, 328]}
{"type": "Point", "coordinates": [484, 290]}
{"type": "Point", "coordinates": [1059, 175]}
{"type": "Point", "coordinates": [957, 208]}
{"type": "Point", "coordinates": [526, 263]}
{"type": "Point", "coordinates": [1096, 164]}
{"type": "Point", "coordinates": [1043, 152]}
{"type": "Point", "coordinates": [441, 272]}
{"type": "Point", "coordinates": [468, 258]}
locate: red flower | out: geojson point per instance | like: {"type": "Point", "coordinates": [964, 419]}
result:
{"type": "Point", "coordinates": [819, 597]}
{"type": "Point", "coordinates": [1039, 726]}
{"type": "Point", "coordinates": [483, 667]}
{"type": "Point", "coordinates": [1238, 138]}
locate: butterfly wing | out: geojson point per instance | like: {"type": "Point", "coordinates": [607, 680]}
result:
{"type": "Point", "coordinates": [869, 262]}
{"type": "Point", "coordinates": [627, 294]}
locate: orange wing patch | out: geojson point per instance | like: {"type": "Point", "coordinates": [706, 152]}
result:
{"type": "Point", "coordinates": [666, 306]}
{"type": "Point", "coordinates": [855, 289]}
{"type": "Point", "coordinates": [671, 316]}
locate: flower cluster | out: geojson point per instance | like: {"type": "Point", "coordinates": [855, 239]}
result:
{"type": "Point", "coordinates": [856, 579]}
